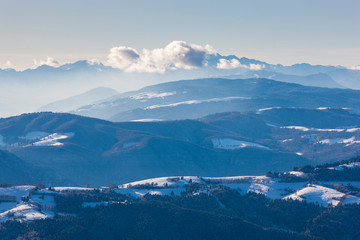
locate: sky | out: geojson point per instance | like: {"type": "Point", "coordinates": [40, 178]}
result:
{"type": "Point", "coordinates": [323, 32]}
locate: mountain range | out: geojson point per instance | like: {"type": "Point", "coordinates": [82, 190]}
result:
{"type": "Point", "coordinates": [81, 150]}
{"type": "Point", "coordinates": [190, 99]}
{"type": "Point", "coordinates": [46, 84]}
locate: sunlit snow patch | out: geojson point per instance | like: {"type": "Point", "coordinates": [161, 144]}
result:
{"type": "Point", "coordinates": [149, 95]}
{"type": "Point", "coordinates": [347, 165]}
{"type": "Point", "coordinates": [348, 141]}
{"type": "Point", "coordinates": [266, 109]}
{"type": "Point", "coordinates": [322, 195]}
{"type": "Point", "coordinates": [230, 144]}
{"type": "Point", "coordinates": [224, 99]}
{"type": "Point", "coordinates": [353, 129]}
{"type": "Point", "coordinates": [22, 212]}
{"type": "Point", "coordinates": [53, 139]}
{"type": "Point", "coordinates": [71, 189]}
{"type": "Point", "coordinates": [17, 191]}
{"type": "Point", "coordinates": [305, 129]}
{"type": "Point", "coordinates": [300, 128]}
{"type": "Point", "coordinates": [259, 188]}
{"type": "Point", "coordinates": [296, 173]}
{"type": "Point", "coordinates": [259, 111]}
{"type": "Point", "coordinates": [147, 120]}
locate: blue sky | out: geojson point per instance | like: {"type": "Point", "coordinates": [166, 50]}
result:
{"type": "Point", "coordinates": [279, 31]}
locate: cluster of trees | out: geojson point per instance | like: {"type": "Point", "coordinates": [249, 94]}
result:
{"type": "Point", "coordinates": [334, 164]}
{"type": "Point", "coordinates": [321, 173]}
{"type": "Point", "coordinates": [72, 202]}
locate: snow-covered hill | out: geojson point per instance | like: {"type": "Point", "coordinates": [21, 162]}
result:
{"type": "Point", "coordinates": [27, 203]}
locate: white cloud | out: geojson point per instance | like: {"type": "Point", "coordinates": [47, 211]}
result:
{"type": "Point", "coordinates": [229, 64]}
{"type": "Point", "coordinates": [176, 55]}
{"type": "Point", "coordinates": [234, 63]}
{"type": "Point", "coordinates": [256, 66]}
{"type": "Point", "coordinates": [49, 61]}
{"type": "Point", "coordinates": [122, 57]}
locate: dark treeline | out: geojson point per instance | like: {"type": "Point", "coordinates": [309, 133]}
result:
{"type": "Point", "coordinates": [322, 173]}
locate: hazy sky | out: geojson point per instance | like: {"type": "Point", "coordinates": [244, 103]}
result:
{"type": "Point", "coordinates": [278, 31]}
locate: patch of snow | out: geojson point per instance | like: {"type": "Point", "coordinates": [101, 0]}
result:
{"type": "Point", "coordinates": [287, 140]}
{"type": "Point", "coordinates": [53, 139]}
{"type": "Point", "coordinates": [322, 195]}
{"type": "Point", "coordinates": [46, 201]}
{"type": "Point", "coordinates": [266, 109]}
{"type": "Point", "coordinates": [331, 141]}
{"type": "Point", "coordinates": [348, 141]}
{"type": "Point", "coordinates": [237, 179]}
{"type": "Point", "coordinates": [280, 189]}
{"type": "Point", "coordinates": [142, 192]}
{"type": "Point", "coordinates": [296, 173]}
{"type": "Point", "coordinates": [230, 144]}
{"type": "Point", "coordinates": [351, 165]}
{"type": "Point", "coordinates": [147, 120]}
{"type": "Point", "coordinates": [352, 129]}
{"type": "Point", "coordinates": [329, 130]}
{"type": "Point", "coordinates": [351, 141]}
{"type": "Point", "coordinates": [174, 181]}
{"type": "Point", "coordinates": [348, 165]}
{"type": "Point", "coordinates": [272, 189]}
{"type": "Point", "coordinates": [22, 212]}
{"type": "Point", "coordinates": [72, 189]}
{"type": "Point", "coordinates": [17, 191]}
{"type": "Point", "coordinates": [259, 188]}
{"type": "Point", "coordinates": [299, 153]}
{"type": "Point", "coordinates": [305, 129]}
{"type": "Point", "coordinates": [196, 102]}
{"type": "Point", "coordinates": [300, 128]}
{"type": "Point", "coordinates": [149, 95]}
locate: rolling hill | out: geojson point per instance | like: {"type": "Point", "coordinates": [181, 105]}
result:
{"type": "Point", "coordinates": [191, 99]}
{"type": "Point", "coordinates": [81, 150]}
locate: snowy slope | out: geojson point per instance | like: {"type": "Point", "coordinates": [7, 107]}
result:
{"type": "Point", "coordinates": [231, 144]}
{"type": "Point", "coordinates": [53, 139]}
{"type": "Point", "coordinates": [323, 195]}
{"type": "Point", "coordinates": [22, 212]}
{"type": "Point", "coordinates": [17, 191]}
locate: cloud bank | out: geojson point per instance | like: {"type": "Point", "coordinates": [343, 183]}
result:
{"type": "Point", "coordinates": [49, 61]}
{"type": "Point", "coordinates": [175, 55]}
{"type": "Point", "coordinates": [234, 63]}
{"type": "Point", "coordinates": [229, 64]}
